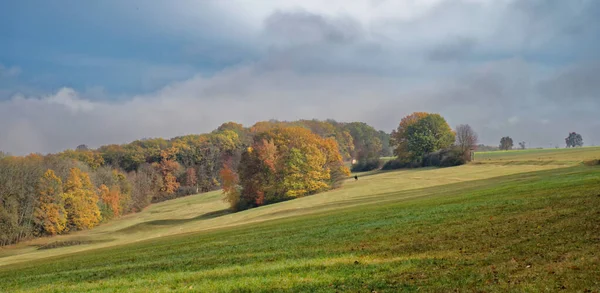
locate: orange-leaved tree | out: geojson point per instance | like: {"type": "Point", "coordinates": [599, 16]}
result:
{"type": "Point", "coordinates": [168, 168]}
{"type": "Point", "coordinates": [81, 201]}
{"type": "Point", "coordinates": [286, 162]}
{"type": "Point", "coordinates": [50, 216]}
{"type": "Point", "coordinates": [110, 207]}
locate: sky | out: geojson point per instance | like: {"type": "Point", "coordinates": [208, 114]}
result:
{"type": "Point", "coordinates": [103, 72]}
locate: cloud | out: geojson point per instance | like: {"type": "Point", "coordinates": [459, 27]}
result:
{"type": "Point", "coordinates": [527, 70]}
{"type": "Point", "coordinates": [68, 98]}
{"type": "Point", "coordinates": [456, 49]}
{"type": "Point", "coordinates": [6, 72]}
{"type": "Point", "coordinates": [299, 27]}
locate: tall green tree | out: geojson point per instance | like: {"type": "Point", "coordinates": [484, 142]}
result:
{"type": "Point", "coordinates": [429, 134]}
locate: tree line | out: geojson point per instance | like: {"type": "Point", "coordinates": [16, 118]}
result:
{"type": "Point", "coordinates": [78, 189]}
{"type": "Point", "coordinates": [573, 140]}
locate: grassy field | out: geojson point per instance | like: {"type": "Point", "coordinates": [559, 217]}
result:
{"type": "Point", "coordinates": [500, 226]}
{"type": "Point", "coordinates": [539, 156]}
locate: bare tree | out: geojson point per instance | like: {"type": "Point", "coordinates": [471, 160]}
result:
{"type": "Point", "coordinates": [466, 140]}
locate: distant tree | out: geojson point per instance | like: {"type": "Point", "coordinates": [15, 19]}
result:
{"type": "Point", "coordinates": [367, 145]}
{"type": "Point", "coordinates": [191, 179]}
{"type": "Point", "coordinates": [92, 159]}
{"type": "Point", "coordinates": [506, 143]}
{"type": "Point", "coordinates": [50, 216]}
{"type": "Point", "coordinates": [574, 140]}
{"type": "Point", "coordinates": [82, 147]}
{"type": "Point", "coordinates": [522, 145]}
{"type": "Point", "coordinates": [230, 184]}
{"type": "Point", "coordinates": [145, 186]}
{"type": "Point", "coordinates": [386, 149]}
{"type": "Point", "coordinates": [168, 168]}
{"type": "Point", "coordinates": [486, 148]}
{"type": "Point", "coordinates": [466, 140]}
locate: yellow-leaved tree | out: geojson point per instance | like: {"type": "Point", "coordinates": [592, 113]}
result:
{"type": "Point", "coordinates": [283, 163]}
{"type": "Point", "coordinates": [81, 201]}
{"type": "Point", "coordinates": [50, 217]}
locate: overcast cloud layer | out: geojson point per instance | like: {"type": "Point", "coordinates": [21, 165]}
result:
{"type": "Point", "coordinates": [111, 72]}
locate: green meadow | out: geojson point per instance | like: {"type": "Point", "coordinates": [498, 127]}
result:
{"type": "Point", "coordinates": [520, 221]}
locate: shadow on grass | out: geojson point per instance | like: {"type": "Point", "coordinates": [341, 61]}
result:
{"type": "Point", "coordinates": [59, 244]}
{"type": "Point", "coordinates": [171, 222]}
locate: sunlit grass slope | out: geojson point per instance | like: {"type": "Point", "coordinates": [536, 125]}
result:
{"type": "Point", "coordinates": [208, 211]}
{"type": "Point", "coordinates": [539, 156]}
{"type": "Point", "coordinates": [502, 225]}
{"type": "Point", "coordinates": [536, 231]}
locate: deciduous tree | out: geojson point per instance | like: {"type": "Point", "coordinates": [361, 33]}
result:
{"type": "Point", "coordinates": [50, 217]}
{"type": "Point", "coordinates": [427, 135]}
{"type": "Point", "coordinates": [81, 201]}
{"type": "Point", "coordinates": [574, 140]}
{"type": "Point", "coordinates": [466, 140]}
{"type": "Point", "coordinates": [506, 143]}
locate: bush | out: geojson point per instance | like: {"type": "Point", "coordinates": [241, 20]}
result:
{"type": "Point", "coordinates": [395, 164]}
{"type": "Point", "coordinates": [592, 163]}
{"type": "Point", "coordinates": [368, 165]}
{"type": "Point", "coordinates": [449, 157]}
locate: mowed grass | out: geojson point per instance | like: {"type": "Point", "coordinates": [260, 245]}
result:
{"type": "Point", "coordinates": [536, 231]}
{"type": "Point", "coordinates": [208, 211]}
{"type": "Point", "coordinates": [480, 227]}
{"type": "Point", "coordinates": [539, 156]}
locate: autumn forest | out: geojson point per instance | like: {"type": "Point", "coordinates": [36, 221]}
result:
{"type": "Point", "coordinates": [271, 161]}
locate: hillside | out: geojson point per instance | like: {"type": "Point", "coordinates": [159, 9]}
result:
{"type": "Point", "coordinates": [493, 225]}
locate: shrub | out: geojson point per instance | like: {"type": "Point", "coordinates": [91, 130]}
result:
{"type": "Point", "coordinates": [592, 162]}
{"type": "Point", "coordinates": [395, 164]}
{"type": "Point", "coordinates": [368, 165]}
{"type": "Point", "coordinates": [448, 157]}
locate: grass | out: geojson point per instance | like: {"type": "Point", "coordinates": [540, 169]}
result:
{"type": "Point", "coordinates": [489, 227]}
{"type": "Point", "coordinates": [539, 156]}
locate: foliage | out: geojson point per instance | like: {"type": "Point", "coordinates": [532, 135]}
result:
{"type": "Point", "coordinates": [486, 148]}
{"type": "Point", "coordinates": [399, 138]}
{"type": "Point", "coordinates": [395, 164]}
{"type": "Point", "coordinates": [50, 217]}
{"type": "Point", "coordinates": [386, 149]}
{"type": "Point", "coordinates": [448, 157]}
{"type": "Point", "coordinates": [392, 241]}
{"type": "Point", "coordinates": [367, 145]}
{"type": "Point", "coordinates": [506, 143]}
{"type": "Point", "coordinates": [420, 133]}
{"type": "Point", "coordinates": [574, 140]}
{"type": "Point", "coordinates": [126, 178]}
{"type": "Point", "coordinates": [522, 145]}
{"type": "Point", "coordinates": [283, 163]}
{"type": "Point", "coordinates": [428, 134]}
{"type": "Point", "coordinates": [81, 201]}
{"type": "Point", "coordinates": [110, 202]}
{"type": "Point", "coordinates": [91, 158]}
{"type": "Point", "coordinates": [168, 168]}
